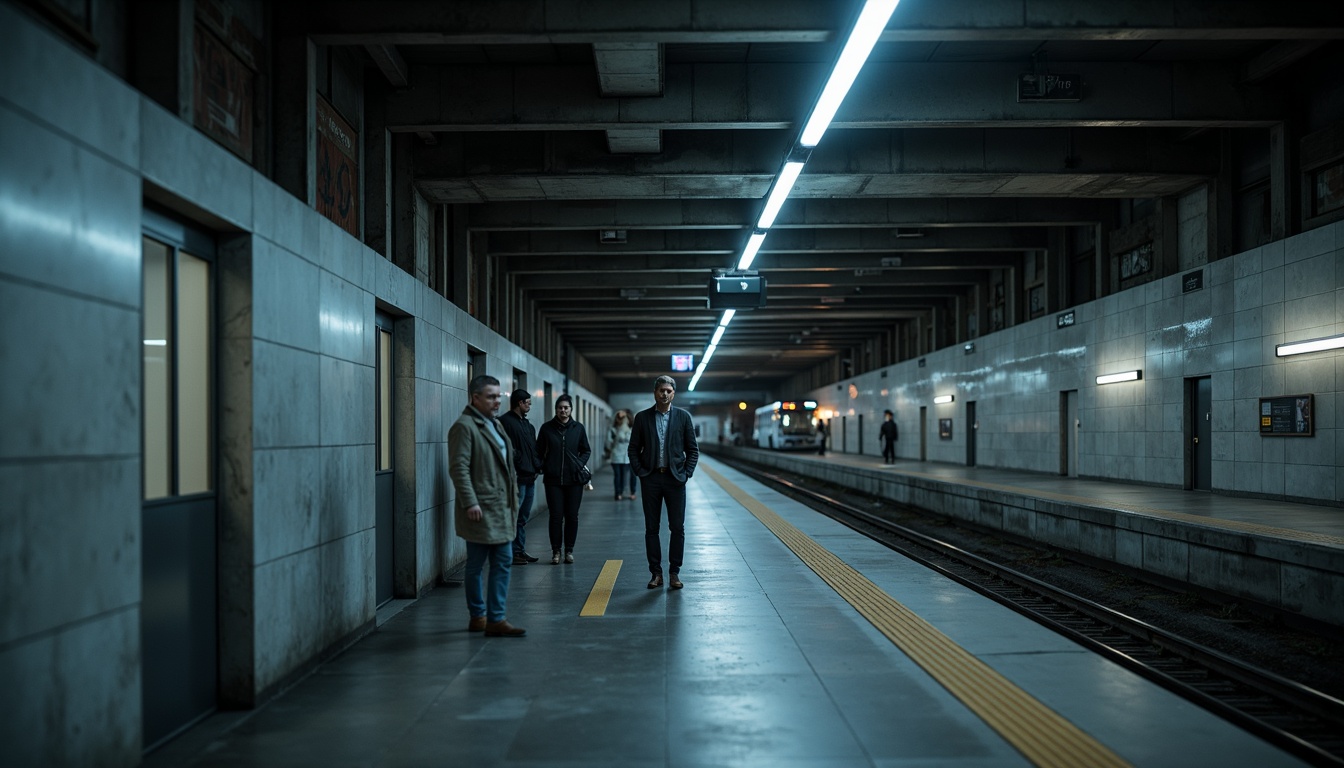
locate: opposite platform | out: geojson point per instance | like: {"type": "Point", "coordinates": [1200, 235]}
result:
{"type": "Point", "coordinates": [758, 661]}
{"type": "Point", "coordinates": [1284, 555]}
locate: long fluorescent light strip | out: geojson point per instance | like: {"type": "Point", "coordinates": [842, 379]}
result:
{"type": "Point", "coordinates": [872, 20]}
{"type": "Point", "coordinates": [727, 317]}
{"type": "Point", "coordinates": [939, 400]}
{"type": "Point", "coordinates": [1112, 378]}
{"type": "Point", "coordinates": [749, 253]}
{"type": "Point", "coordinates": [867, 29]}
{"type": "Point", "coordinates": [779, 193]}
{"type": "Point", "coordinates": [718, 335]}
{"type": "Point", "coordinates": [1310, 345]}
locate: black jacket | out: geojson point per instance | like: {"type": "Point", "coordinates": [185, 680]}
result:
{"type": "Point", "coordinates": [682, 449]}
{"type": "Point", "coordinates": [562, 449]}
{"type": "Point", "coordinates": [889, 430]}
{"type": "Point", "coordinates": [524, 438]}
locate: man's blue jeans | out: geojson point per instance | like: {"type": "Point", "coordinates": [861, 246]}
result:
{"type": "Point", "coordinates": [526, 493]}
{"type": "Point", "coordinates": [483, 600]}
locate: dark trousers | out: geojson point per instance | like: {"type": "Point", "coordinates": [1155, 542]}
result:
{"type": "Point", "coordinates": [623, 475]}
{"type": "Point", "coordinates": [889, 451]}
{"type": "Point", "coordinates": [526, 492]}
{"type": "Point", "coordinates": [657, 488]}
{"type": "Point", "coordinates": [564, 501]}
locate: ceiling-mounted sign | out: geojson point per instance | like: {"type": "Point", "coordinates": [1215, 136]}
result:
{"type": "Point", "coordinates": [683, 363]}
{"type": "Point", "coordinates": [1064, 319]}
{"type": "Point", "coordinates": [1046, 87]}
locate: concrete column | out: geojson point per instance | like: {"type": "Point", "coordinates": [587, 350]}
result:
{"type": "Point", "coordinates": [295, 105]}
{"type": "Point", "coordinates": [1281, 197]}
{"type": "Point", "coordinates": [401, 249]}
{"type": "Point", "coordinates": [377, 165]}
{"type": "Point", "coordinates": [458, 256]}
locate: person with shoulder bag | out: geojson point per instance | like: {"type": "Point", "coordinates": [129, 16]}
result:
{"type": "Point", "coordinates": [563, 452]}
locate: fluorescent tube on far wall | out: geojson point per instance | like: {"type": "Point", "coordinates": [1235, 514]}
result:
{"type": "Point", "coordinates": [1303, 347]}
{"type": "Point", "coordinates": [1112, 378]}
{"type": "Point", "coordinates": [939, 400]}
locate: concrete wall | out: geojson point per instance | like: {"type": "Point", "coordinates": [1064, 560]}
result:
{"type": "Point", "coordinates": [79, 153]}
{"type": "Point", "coordinates": [1285, 291]}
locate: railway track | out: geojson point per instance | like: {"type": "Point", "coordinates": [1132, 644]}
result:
{"type": "Point", "coordinates": [1300, 720]}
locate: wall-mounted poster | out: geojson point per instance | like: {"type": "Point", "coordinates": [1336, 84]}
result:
{"type": "Point", "coordinates": [337, 168]}
{"type": "Point", "coordinates": [1136, 261]}
{"type": "Point", "coordinates": [1288, 416]}
{"type": "Point", "coordinates": [945, 429]}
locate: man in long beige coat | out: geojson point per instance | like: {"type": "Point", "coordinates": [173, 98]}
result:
{"type": "Point", "coordinates": [480, 463]}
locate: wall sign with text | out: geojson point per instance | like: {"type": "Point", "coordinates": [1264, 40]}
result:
{"type": "Point", "coordinates": [1288, 416]}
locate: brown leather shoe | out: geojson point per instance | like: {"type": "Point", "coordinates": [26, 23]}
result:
{"type": "Point", "coordinates": [503, 629]}
{"type": "Point", "coordinates": [477, 624]}
{"type": "Point", "coordinates": [673, 582]}
{"type": "Point", "coordinates": [656, 581]}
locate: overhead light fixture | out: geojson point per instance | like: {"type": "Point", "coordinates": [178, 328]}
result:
{"type": "Point", "coordinates": [718, 335]}
{"type": "Point", "coordinates": [1112, 378]}
{"type": "Point", "coordinates": [727, 317]}
{"type": "Point", "coordinates": [779, 193]}
{"type": "Point", "coordinates": [753, 245]}
{"type": "Point", "coordinates": [1310, 345]}
{"type": "Point", "coordinates": [968, 347]}
{"type": "Point", "coordinates": [941, 399]}
{"type": "Point", "coordinates": [872, 20]}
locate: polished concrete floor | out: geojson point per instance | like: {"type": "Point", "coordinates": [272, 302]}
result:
{"type": "Point", "coordinates": [757, 662]}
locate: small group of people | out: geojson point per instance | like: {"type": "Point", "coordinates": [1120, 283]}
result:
{"type": "Point", "coordinates": [887, 434]}
{"type": "Point", "coordinates": [494, 462]}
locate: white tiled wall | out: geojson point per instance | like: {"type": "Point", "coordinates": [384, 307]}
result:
{"type": "Point", "coordinates": [1285, 291]}
{"type": "Point", "coordinates": [79, 152]}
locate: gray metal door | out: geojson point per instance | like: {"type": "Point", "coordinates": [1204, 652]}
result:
{"type": "Point", "coordinates": [923, 433]}
{"type": "Point", "coordinates": [384, 524]}
{"type": "Point", "coordinates": [1069, 433]}
{"type": "Point", "coordinates": [179, 637]}
{"type": "Point", "coordinates": [1201, 434]}
{"type": "Point", "coordinates": [971, 428]}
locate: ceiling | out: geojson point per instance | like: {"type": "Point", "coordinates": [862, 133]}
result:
{"type": "Point", "coordinates": [551, 121]}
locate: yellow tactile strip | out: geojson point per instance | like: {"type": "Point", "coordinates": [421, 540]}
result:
{"type": "Point", "coordinates": [1210, 522]}
{"type": "Point", "coordinates": [596, 605]}
{"type": "Point", "coordinates": [1038, 732]}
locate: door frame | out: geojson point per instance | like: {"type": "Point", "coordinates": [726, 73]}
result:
{"type": "Point", "coordinates": [181, 236]}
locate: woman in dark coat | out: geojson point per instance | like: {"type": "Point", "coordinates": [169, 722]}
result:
{"type": "Point", "coordinates": [562, 447]}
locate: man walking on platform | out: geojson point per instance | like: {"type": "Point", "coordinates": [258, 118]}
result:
{"type": "Point", "coordinates": [480, 463]}
{"type": "Point", "coordinates": [889, 434]}
{"type": "Point", "coordinates": [523, 436]}
{"type": "Point", "coordinates": [664, 452]}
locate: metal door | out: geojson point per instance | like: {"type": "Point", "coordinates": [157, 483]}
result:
{"type": "Point", "coordinates": [1068, 432]}
{"type": "Point", "coordinates": [971, 428]}
{"type": "Point", "coordinates": [384, 485]}
{"type": "Point", "coordinates": [179, 637]}
{"type": "Point", "coordinates": [923, 433]}
{"type": "Point", "coordinates": [1201, 434]}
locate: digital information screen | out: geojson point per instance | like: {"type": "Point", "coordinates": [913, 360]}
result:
{"type": "Point", "coordinates": [682, 363]}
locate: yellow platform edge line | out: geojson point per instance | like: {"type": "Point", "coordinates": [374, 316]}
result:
{"type": "Point", "coordinates": [1042, 735]}
{"type": "Point", "coordinates": [596, 604]}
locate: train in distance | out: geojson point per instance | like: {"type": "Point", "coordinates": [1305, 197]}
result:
{"type": "Point", "coordinates": [787, 425]}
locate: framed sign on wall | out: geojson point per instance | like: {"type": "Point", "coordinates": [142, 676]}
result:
{"type": "Point", "coordinates": [1288, 416]}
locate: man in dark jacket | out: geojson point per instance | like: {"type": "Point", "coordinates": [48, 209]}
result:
{"type": "Point", "coordinates": [888, 433]}
{"type": "Point", "coordinates": [664, 452]}
{"type": "Point", "coordinates": [524, 438]}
